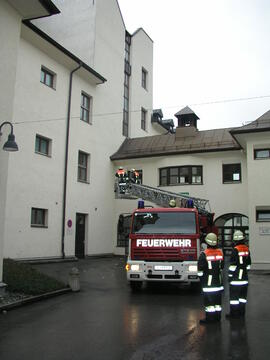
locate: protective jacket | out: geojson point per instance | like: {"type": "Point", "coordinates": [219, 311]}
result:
{"type": "Point", "coordinates": [210, 265]}
{"type": "Point", "coordinates": [239, 265]}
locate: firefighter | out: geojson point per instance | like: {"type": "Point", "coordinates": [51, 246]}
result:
{"type": "Point", "coordinates": [134, 176]}
{"type": "Point", "coordinates": [210, 265]}
{"type": "Point", "coordinates": [172, 203]}
{"type": "Point", "coordinates": [122, 179]}
{"type": "Point", "coordinates": [240, 262]}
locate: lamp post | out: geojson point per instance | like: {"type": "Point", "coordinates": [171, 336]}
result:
{"type": "Point", "coordinates": [9, 145]}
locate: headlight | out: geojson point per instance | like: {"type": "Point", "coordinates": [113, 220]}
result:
{"type": "Point", "coordinates": [135, 267]}
{"type": "Point", "coordinates": [192, 268]}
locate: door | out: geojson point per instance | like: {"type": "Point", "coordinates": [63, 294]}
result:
{"type": "Point", "coordinates": [227, 224]}
{"type": "Point", "coordinates": [80, 236]}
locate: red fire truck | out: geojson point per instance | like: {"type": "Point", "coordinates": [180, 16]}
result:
{"type": "Point", "coordinates": [165, 243]}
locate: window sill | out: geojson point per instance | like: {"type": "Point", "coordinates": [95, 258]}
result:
{"type": "Point", "coordinates": [86, 122]}
{"type": "Point", "coordinates": [51, 87]}
{"type": "Point", "coordinates": [40, 153]}
{"type": "Point", "coordinates": [232, 182]}
{"type": "Point", "coordinates": [83, 181]}
{"type": "Point", "coordinates": [185, 184]}
{"type": "Point", "coordinates": [39, 226]}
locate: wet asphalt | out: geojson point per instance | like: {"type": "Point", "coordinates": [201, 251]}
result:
{"type": "Point", "coordinates": [106, 321]}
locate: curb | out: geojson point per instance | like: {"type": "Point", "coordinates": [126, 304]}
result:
{"type": "Point", "coordinates": [31, 299]}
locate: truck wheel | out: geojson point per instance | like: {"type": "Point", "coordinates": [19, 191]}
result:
{"type": "Point", "coordinates": [135, 285]}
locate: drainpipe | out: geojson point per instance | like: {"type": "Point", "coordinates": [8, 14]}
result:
{"type": "Point", "coordinates": [66, 161]}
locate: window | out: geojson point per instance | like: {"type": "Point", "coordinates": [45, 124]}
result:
{"type": "Point", "coordinates": [261, 154]}
{"type": "Point", "coordinates": [231, 173]}
{"type": "Point", "coordinates": [127, 73]}
{"type": "Point", "coordinates": [263, 215]}
{"type": "Point", "coordinates": [39, 217]}
{"type": "Point", "coordinates": [85, 114]}
{"type": "Point", "coordinates": [144, 78]}
{"type": "Point", "coordinates": [164, 223]}
{"type": "Point", "coordinates": [181, 175]}
{"type": "Point", "coordinates": [143, 118]}
{"type": "Point", "coordinates": [83, 166]}
{"type": "Point", "coordinates": [43, 145]}
{"type": "Point", "coordinates": [47, 77]}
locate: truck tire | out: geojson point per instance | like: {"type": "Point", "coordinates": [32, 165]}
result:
{"type": "Point", "coordinates": [135, 285]}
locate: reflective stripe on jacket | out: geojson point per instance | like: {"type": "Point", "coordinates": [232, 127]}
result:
{"type": "Point", "coordinates": [210, 265]}
{"type": "Point", "coordinates": [240, 262]}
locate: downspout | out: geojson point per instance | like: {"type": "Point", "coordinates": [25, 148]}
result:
{"type": "Point", "coordinates": [66, 162]}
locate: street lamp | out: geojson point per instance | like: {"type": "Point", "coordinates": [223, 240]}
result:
{"type": "Point", "coordinates": [10, 144]}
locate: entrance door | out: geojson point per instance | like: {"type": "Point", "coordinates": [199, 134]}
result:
{"type": "Point", "coordinates": [80, 236]}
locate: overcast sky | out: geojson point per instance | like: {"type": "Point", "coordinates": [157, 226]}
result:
{"type": "Point", "coordinates": [206, 51]}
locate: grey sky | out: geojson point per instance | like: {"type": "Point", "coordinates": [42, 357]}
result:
{"type": "Point", "coordinates": [207, 51]}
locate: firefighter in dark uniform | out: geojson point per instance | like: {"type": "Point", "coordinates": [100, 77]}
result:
{"type": "Point", "coordinates": [134, 176]}
{"type": "Point", "coordinates": [121, 176]}
{"type": "Point", "coordinates": [210, 265]}
{"type": "Point", "coordinates": [240, 262]}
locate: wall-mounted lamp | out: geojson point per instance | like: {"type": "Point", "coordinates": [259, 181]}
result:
{"type": "Point", "coordinates": [10, 144]}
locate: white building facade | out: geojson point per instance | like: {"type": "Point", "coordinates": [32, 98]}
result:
{"type": "Point", "coordinates": [229, 167]}
{"type": "Point", "coordinates": [64, 80]}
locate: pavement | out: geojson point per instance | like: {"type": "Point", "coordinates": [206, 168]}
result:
{"type": "Point", "coordinates": [105, 320]}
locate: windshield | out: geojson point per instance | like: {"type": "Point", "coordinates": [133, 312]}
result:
{"type": "Point", "coordinates": [164, 223]}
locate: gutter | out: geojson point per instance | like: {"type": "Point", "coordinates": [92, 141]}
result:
{"type": "Point", "coordinates": [99, 79]}
{"type": "Point", "coordinates": [66, 161]}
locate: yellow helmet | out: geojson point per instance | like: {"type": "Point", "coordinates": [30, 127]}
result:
{"type": "Point", "coordinates": [172, 203]}
{"type": "Point", "coordinates": [211, 239]}
{"type": "Point", "coordinates": [238, 235]}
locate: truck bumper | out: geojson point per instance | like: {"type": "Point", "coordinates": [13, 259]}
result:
{"type": "Point", "coordinates": [160, 271]}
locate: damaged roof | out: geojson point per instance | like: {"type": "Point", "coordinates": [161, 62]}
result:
{"type": "Point", "coordinates": [170, 144]}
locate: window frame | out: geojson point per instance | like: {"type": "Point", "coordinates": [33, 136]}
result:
{"type": "Point", "coordinates": [143, 118]}
{"type": "Point", "coordinates": [48, 145]}
{"type": "Point", "coordinates": [260, 212]}
{"type": "Point", "coordinates": [86, 110]}
{"type": "Point", "coordinates": [261, 149]}
{"type": "Point", "coordinates": [83, 167]}
{"type": "Point", "coordinates": [144, 78]}
{"type": "Point", "coordinates": [177, 172]}
{"type": "Point", "coordinates": [48, 74]}
{"type": "Point", "coordinates": [34, 217]}
{"type": "Point", "coordinates": [224, 172]}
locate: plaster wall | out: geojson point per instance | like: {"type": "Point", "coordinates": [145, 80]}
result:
{"type": "Point", "coordinates": [258, 196]}
{"type": "Point", "coordinates": [75, 33]}
{"type": "Point", "coordinates": [9, 40]}
{"type": "Point", "coordinates": [141, 58]}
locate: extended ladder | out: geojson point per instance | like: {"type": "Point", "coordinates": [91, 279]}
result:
{"type": "Point", "coordinates": [158, 196]}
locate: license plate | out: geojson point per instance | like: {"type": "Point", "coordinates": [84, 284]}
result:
{"type": "Point", "coordinates": [163, 267]}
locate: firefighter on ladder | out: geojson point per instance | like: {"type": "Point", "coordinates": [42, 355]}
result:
{"type": "Point", "coordinates": [240, 262]}
{"type": "Point", "coordinates": [210, 265]}
{"type": "Point", "coordinates": [121, 176]}
{"type": "Point", "coordinates": [134, 176]}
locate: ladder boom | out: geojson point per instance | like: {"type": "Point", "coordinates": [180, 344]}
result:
{"type": "Point", "coordinates": [159, 196]}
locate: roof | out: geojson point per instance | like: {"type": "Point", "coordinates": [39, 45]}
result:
{"type": "Point", "coordinates": [98, 78]}
{"type": "Point", "coordinates": [185, 111]}
{"type": "Point", "coordinates": [259, 125]}
{"type": "Point", "coordinates": [167, 144]}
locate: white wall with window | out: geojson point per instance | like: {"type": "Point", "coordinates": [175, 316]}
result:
{"type": "Point", "coordinates": [257, 145]}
